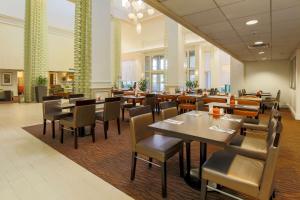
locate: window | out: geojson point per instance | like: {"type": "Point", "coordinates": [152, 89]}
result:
{"type": "Point", "coordinates": [208, 79]}
{"type": "Point", "coordinates": [191, 65]}
{"type": "Point", "coordinates": [155, 67]}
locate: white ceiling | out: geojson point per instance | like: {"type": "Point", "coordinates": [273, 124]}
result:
{"type": "Point", "coordinates": [223, 21]}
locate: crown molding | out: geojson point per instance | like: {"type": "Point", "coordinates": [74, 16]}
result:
{"type": "Point", "coordinates": [13, 21]}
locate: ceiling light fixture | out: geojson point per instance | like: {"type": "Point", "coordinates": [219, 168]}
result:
{"type": "Point", "coordinates": [251, 22]}
{"type": "Point", "coordinates": [261, 52]}
{"type": "Point", "coordinates": [258, 42]}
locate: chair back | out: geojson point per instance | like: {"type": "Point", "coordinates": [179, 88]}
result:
{"type": "Point", "coordinates": [278, 96]}
{"type": "Point", "coordinates": [246, 113]}
{"type": "Point", "coordinates": [186, 99]}
{"type": "Point", "coordinates": [75, 96]}
{"type": "Point", "coordinates": [52, 106]}
{"type": "Point", "coordinates": [167, 104]}
{"type": "Point", "coordinates": [49, 98]}
{"type": "Point", "coordinates": [150, 100]}
{"type": "Point", "coordinates": [248, 102]}
{"type": "Point", "coordinates": [139, 129]}
{"type": "Point", "coordinates": [240, 93]}
{"type": "Point", "coordinates": [210, 100]}
{"type": "Point", "coordinates": [169, 113]}
{"type": "Point", "coordinates": [200, 105]}
{"type": "Point", "coordinates": [266, 186]}
{"type": "Point", "coordinates": [111, 110]}
{"type": "Point", "coordinates": [84, 115]}
{"type": "Point", "coordinates": [168, 97]}
{"type": "Point", "coordinates": [112, 99]}
{"type": "Point", "coordinates": [139, 111]}
{"type": "Point", "coordinates": [85, 102]}
{"type": "Point", "coordinates": [244, 92]}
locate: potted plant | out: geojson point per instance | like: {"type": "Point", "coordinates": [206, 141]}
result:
{"type": "Point", "coordinates": [40, 88]}
{"type": "Point", "coordinates": [143, 85]}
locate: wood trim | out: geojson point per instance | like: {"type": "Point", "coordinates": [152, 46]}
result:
{"type": "Point", "coordinates": [160, 7]}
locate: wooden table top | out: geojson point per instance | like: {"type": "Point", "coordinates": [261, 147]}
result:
{"type": "Point", "coordinates": [133, 97]}
{"type": "Point", "coordinates": [72, 105]}
{"type": "Point", "coordinates": [233, 106]}
{"type": "Point", "coordinates": [196, 126]}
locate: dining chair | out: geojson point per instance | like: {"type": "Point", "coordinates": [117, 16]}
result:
{"type": "Point", "coordinates": [200, 105]}
{"type": "Point", "coordinates": [76, 97]}
{"type": "Point", "coordinates": [52, 112]}
{"type": "Point", "coordinates": [216, 100]}
{"type": "Point", "coordinates": [110, 112]}
{"type": "Point", "coordinates": [139, 111]}
{"type": "Point", "coordinates": [145, 142]}
{"type": "Point", "coordinates": [150, 100]}
{"type": "Point", "coordinates": [269, 102]}
{"type": "Point", "coordinates": [167, 104]}
{"type": "Point", "coordinates": [84, 115]}
{"type": "Point", "coordinates": [186, 103]}
{"type": "Point", "coordinates": [253, 177]}
{"type": "Point", "coordinates": [254, 146]}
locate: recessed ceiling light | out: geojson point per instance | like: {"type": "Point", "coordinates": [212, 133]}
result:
{"type": "Point", "coordinates": [251, 22]}
{"type": "Point", "coordinates": [258, 42]}
{"type": "Point", "coordinates": [261, 52]}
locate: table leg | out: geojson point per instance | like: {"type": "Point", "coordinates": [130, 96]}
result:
{"type": "Point", "coordinates": [193, 178]}
{"type": "Point", "coordinates": [133, 102]}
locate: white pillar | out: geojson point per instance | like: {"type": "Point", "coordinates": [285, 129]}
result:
{"type": "Point", "coordinates": [175, 54]}
{"type": "Point", "coordinates": [101, 81]}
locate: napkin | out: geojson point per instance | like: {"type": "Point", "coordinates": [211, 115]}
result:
{"type": "Point", "coordinates": [173, 121]}
{"type": "Point", "coordinates": [223, 130]}
{"type": "Point", "coordinates": [231, 119]}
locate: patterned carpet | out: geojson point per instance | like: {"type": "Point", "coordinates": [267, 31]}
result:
{"type": "Point", "coordinates": [111, 159]}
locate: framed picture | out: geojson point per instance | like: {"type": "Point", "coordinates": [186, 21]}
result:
{"type": "Point", "coordinates": [6, 78]}
{"type": "Point", "coordinates": [293, 73]}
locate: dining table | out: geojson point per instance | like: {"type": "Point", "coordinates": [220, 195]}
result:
{"type": "Point", "coordinates": [231, 107]}
{"type": "Point", "coordinates": [202, 127]}
{"type": "Point", "coordinates": [134, 98]}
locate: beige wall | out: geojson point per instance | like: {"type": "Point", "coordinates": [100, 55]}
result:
{"type": "Point", "coordinates": [237, 75]}
{"type": "Point", "coordinates": [269, 76]}
{"type": "Point", "coordinates": [60, 44]}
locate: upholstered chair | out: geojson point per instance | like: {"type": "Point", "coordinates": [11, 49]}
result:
{"type": "Point", "coordinates": [83, 115]}
{"type": "Point", "coordinates": [112, 107]}
{"type": "Point", "coordinates": [247, 175]}
{"type": "Point", "coordinates": [145, 142]}
{"type": "Point", "coordinates": [52, 112]}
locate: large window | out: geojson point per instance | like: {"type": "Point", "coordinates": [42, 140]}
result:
{"type": "Point", "coordinates": [191, 65]}
{"type": "Point", "coordinates": [155, 67]}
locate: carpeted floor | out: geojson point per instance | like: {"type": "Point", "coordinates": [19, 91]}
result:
{"type": "Point", "coordinates": [111, 159]}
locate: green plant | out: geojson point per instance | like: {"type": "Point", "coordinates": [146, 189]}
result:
{"type": "Point", "coordinates": [195, 84]}
{"type": "Point", "coordinates": [191, 84]}
{"type": "Point", "coordinates": [143, 85]}
{"type": "Point", "coordinates": [41, 80]}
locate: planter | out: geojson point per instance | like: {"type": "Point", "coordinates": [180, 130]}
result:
{"type": "Point", "coordinates": [40, 92]}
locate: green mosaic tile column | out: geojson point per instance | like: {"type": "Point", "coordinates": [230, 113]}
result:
{"type": "Point", "coordinates": [83, 49]}
{"type": "Point", "coordinates": [35, 45]}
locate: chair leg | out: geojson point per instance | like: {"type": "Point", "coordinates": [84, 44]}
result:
{"type": "Point", "coordinates": [133, 165]}
{"type": "Point", "coordinates": [44, 129]}
{"type": "Point", "coordinates": [164, 179]}
{"type": "Point", "coordinates": [76, 138]}
{"type": "Point", "coordinates": [61, 134]}
{"type": "Point", "coordinates": [119, 128]}
{"type": "Point", "coordinates": [203, 189]}
{"type": "Point", "coordinates": [53, 129]}
{"type": "Point", "coordinates": [153, 116]}
{"type": "Point", "coordinates": [181, 166]}
{"type": "Point", "coordinates": [150, 164]}
{"type": "Point", "coordinates": [123, 113]}
{"type": "Point", "coordinates": [105, 129]}
{"type": "Point", "coordinates": [93, 132]}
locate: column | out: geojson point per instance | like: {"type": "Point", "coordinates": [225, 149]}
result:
{"type": "Point", "coordinates": [82, 44]}
{"type": "Point", "coordinates": [116, 52]}
{"type": "Point", "coordinates": [101, 68]}
{"type": "Point", "coordinates": [175, 54]}
{"type": "Point", "coordinates": [35, 46]}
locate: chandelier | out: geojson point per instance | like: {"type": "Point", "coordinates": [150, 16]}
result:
{"type": "Point", "coordinates": [137, 10]}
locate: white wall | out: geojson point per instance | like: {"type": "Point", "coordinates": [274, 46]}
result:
{"type": "Point", "coordinates": [294, 102]}
{"type": "Point", "coordinates": [237, 75]}
{"type": "Point", "coordinates": [269, 76]}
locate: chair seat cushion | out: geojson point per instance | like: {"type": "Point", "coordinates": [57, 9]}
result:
{"type": "Point", "coordinates": [249, 146]}
{"type": "Point", "coordinates": [159, 147]}
{"type": "Point", "coordinates": [67, 122]}
{"type": "Point", "coordinates": [57, 115]}
{"type": "Point", "coordinates": [234, 171]}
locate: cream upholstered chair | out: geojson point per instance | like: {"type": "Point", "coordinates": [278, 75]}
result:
{"type": "Point", "coordinates": [250, 176]}
{"type": "Point", "coordinates": [146, 142]}
{"type": "Point", "coordinates": [52, 112]}
{"type": "Point", "coordinates": [84, 115]}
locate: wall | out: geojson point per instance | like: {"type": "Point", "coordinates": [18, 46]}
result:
{"type": "Point", "coordinates": [237, 75]}
{"type": "Point", "coordinates": [60, 44]}
{"type": "Point", "coordinates": [269, 76]}
{"type": "Point", "coordinates": [294, 103]}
